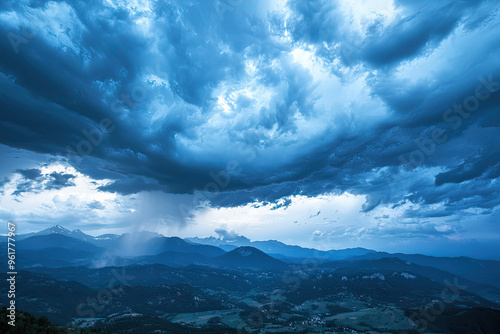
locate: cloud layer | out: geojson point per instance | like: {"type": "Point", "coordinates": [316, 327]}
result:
{"type": "Point", "coordinates": [259, 101]}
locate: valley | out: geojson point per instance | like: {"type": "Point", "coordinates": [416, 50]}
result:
{"type": "Point", "coordinates": [178, 286]}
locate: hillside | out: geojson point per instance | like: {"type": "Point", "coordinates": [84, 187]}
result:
{"type": "Point", "coordinates": [250, 258]}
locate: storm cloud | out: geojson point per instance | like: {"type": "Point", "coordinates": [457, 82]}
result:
{"type": "Point", "coordinates": [258, 101]}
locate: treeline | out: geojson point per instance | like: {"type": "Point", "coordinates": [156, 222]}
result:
{"type": "Point", "coordinates": [28, 324]}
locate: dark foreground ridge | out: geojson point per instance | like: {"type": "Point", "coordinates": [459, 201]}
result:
{"type": "Point", "coordinates": [27, 324]}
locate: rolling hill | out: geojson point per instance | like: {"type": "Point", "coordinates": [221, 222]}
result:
{"type": "Point", "coordinates": [249, 258]}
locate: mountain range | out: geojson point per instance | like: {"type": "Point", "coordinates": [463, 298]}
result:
{"type": "Point", "coordinates": [156, 241]}
{"type": "Point", "coordinates": [160, 280]}
{"type": "Point", "coordinates": [60, 247]}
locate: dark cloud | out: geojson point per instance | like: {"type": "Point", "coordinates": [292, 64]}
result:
{"type": "Point", "coordinates": [59, 180]}
{"type": "Point", "coordinates": [3, 182]}
{"type": "Point", "coordinates": [96, 205]}
{"type": "Point", "coordinates": [315, 21]}
{"type": "Point", "coordinates": [33, 181]}
{"type": "Point", "coordinates": [30, 174]}
{"type": "Point", "coordinates": [423, 28]}
{"type": "Point", "coordinates": [136, 95]}
{"type": "Point", "coordinates": [284, 203]}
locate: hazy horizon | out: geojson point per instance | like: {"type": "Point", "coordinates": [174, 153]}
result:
{"type": "Point", "coordinates": [231, 236]}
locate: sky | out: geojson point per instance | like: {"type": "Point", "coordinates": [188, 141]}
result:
{"type": "Point", "coordinates": [322, 123]}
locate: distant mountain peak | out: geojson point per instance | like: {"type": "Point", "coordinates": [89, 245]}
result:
{"type": "Point", "coordinates": [249, 257]}
{"type": "Point", "coordinates": [279, 248]}
{"type": "Point", "coordinates": [248, 252]}
{"type": "Point", "coordinates": [58, 228]}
